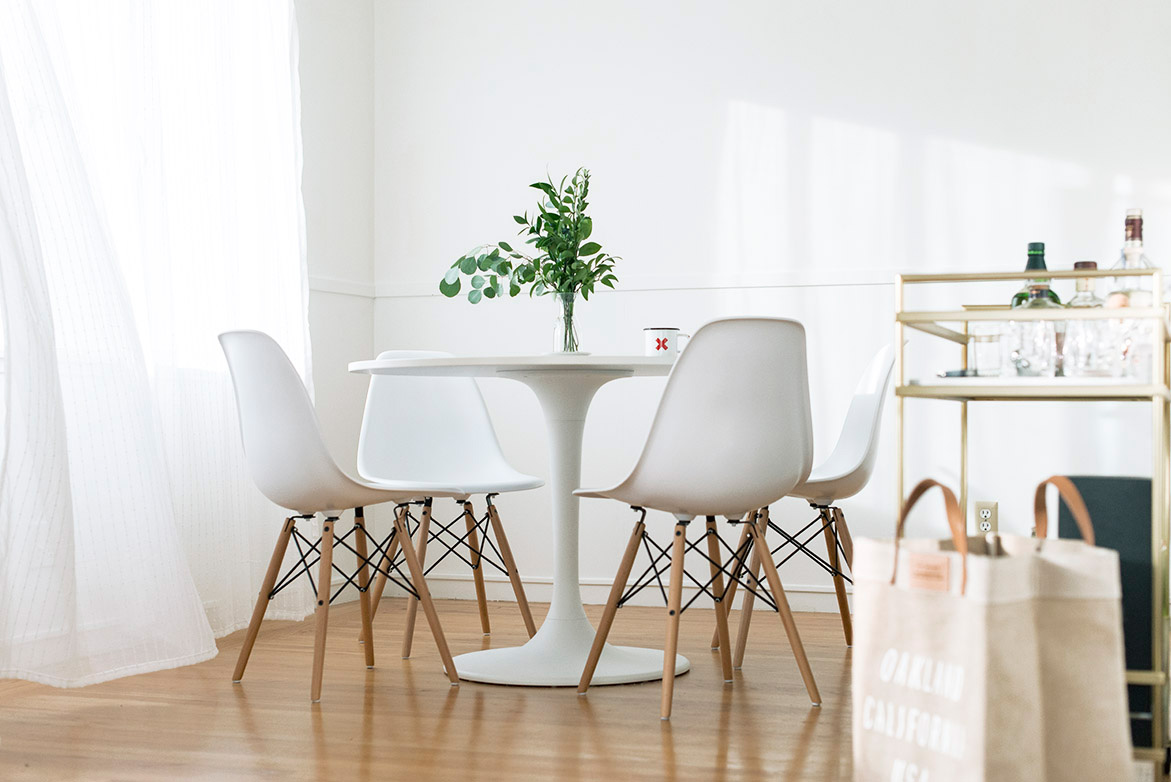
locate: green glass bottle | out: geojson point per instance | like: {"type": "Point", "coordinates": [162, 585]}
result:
{"type": "Point", "coordinates": [1036, 263]}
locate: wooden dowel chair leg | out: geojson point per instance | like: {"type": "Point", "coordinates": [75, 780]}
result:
{"type": "Point", "coordinates": [363, 585]}
{"type": "Point", "coordinates": [749, 596]}
{"type": "Point", "coordinates": [518, 587]}
{"type": "Point", "coordinates": [746, 609]}
{"type": "Point", "coordinates": [619, 586]}
{"type": "Point", "coordinates": [721, 604]}
{"type": "Point", "coordinates": [413, 605]}
{"type": "Point", "coordinates": [324, 582]}
{"type": "Point", "coordinates": [778, 590]}
{"type": "Point", "coordinates": [380, 580]}
{"type": "Point", "coordinates": [420, 585]}
{"type": "Point", "coordinates": [844, 536]}
{"type": "Point", "coordinates": [270, 576]}
{"type": "Point", "coordinates": [477, 567]}
{"type": "Point", "coordinates": [831, 545]}
{"type": "Point", "coordinates": [674, 609]}
{"type": "Point", "coordinates": [733, 566]}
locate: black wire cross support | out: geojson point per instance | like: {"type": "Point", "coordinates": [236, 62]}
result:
{"type": "Point", "coordinates": [455, 544]}
{"type": "Point", "coordinates": [660, 564]}
{"type": "Point", "coordinates": [825, 519]}
{"type": "Point", "coordinates": [307, 548]}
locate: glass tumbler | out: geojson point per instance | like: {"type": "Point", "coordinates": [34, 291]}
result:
{"type": "Point", "coordinates": [984, 349]}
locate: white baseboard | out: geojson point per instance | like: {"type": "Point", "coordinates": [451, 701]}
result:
{"type": "Point", "coordinates": [802, 597]}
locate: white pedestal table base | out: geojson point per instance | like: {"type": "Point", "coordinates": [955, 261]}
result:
{"type": "Point", "coordinates": [556, 656]}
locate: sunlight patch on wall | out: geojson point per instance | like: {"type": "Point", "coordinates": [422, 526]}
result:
{"type": "Point", "coordinates": [751, 206]}
{"type": "Point", "coordinates": [858, 204]}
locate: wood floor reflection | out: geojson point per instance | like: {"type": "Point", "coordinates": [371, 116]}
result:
{"type": "Point", "coordinates": [403, 719]}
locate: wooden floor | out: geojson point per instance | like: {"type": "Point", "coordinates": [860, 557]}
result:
{"type": "Point", "coordinates": [403, 720]}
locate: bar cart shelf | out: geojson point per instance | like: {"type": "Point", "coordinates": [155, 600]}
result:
{"type": "Point", "coordinates": [953, 326]}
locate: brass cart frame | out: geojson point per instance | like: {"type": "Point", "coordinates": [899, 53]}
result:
{"type": "Point", "coordinates": [953, 326]}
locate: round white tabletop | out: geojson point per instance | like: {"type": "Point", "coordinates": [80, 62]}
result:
{"type": "Point", "coordinates": [565, 385]}
{"type": "Point", "coordinates": [504, 366]}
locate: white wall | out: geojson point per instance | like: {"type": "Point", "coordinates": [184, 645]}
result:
{"type": "Point", "coordinates": [753, 157]}
{"type": "Point", "coordinates": [337, 126]}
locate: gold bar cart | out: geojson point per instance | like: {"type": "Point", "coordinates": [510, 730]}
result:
{"type": "Point", "coordinates": [953, 326]}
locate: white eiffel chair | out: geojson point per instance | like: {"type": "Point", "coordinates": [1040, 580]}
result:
{"type": "Point", "coordinates": [437, 431]}
{"type": "Point", "coordinates": [291, 465]}
{"type": "Point", "coordinates": [718, 448]}
{"type": "Point", "coordinates": [845, 473]}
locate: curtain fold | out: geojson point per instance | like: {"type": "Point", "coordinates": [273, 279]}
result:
{"type": "Point", "coordinates": [149, 199]}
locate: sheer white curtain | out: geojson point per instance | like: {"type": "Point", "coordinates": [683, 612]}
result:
{"type": "Point", "coordinates": [149, 199]}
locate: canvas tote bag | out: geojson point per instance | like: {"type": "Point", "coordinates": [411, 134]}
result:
{"type": "Point", "coordinates": [979, 664]}
{"type": "Point", "coordinates": [1083, 661]}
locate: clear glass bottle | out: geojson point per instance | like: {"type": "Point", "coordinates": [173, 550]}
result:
{"type": "Point", "coordinates": [1033, 347]}
{"type": "Point", "coordinates": [1036, 262]}
{"type": "Point", "coordinates": [1132, 291]}
{"type": "Point", "coordinates": [1088, 349]}
{"type": "Point", "coordinates": [1087, 294]}
{"type": "Point", "coordinates": [1131, 337]}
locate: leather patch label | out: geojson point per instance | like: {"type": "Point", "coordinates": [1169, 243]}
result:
{"type": "Point", "coordinates": [927, 571]}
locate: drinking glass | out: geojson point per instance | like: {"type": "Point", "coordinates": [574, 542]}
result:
{"type": "Point", "coordinates": [985, 349]}
{"type": "Point", "coordinates": [1030, 348]}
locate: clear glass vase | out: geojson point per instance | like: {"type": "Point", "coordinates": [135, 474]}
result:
{"type": "Point", "coordinates": [565, 323]}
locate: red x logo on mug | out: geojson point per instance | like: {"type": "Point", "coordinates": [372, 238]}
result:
{"type": "Point", "coordinates": [663, 342]}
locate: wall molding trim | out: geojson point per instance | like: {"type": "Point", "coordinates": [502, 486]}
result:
{"type": "Point", "coordinates": [322, 284]}
{"type": "Point", "coordinates": [409, 289]}
{"type": "Point", "coordinates": [415, 289]}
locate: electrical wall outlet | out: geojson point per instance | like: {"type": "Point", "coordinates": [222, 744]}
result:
{"type": "Point", "coordinates": [986, 518]}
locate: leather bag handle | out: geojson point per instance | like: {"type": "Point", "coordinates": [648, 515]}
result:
{"type": "Point", "coordinates": [1073, 501]}
{"type": "Point", "coordinates": [955, 522]}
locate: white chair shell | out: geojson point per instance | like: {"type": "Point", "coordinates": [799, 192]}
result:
{"type": "Point", "coordinates": [721, 445]}
{"type": "Point", "coordinates": [286, 455]}
{"type": "Point", "coordinates": [851, 463]}
{"type": "Point", "coordinates": [432, 431]}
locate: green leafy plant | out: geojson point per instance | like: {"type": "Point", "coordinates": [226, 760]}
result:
{"type": "Point", "coordinates": [563, 261]}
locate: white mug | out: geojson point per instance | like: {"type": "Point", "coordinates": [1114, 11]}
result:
{"type": "Point", "coordinates": [663, 341]}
